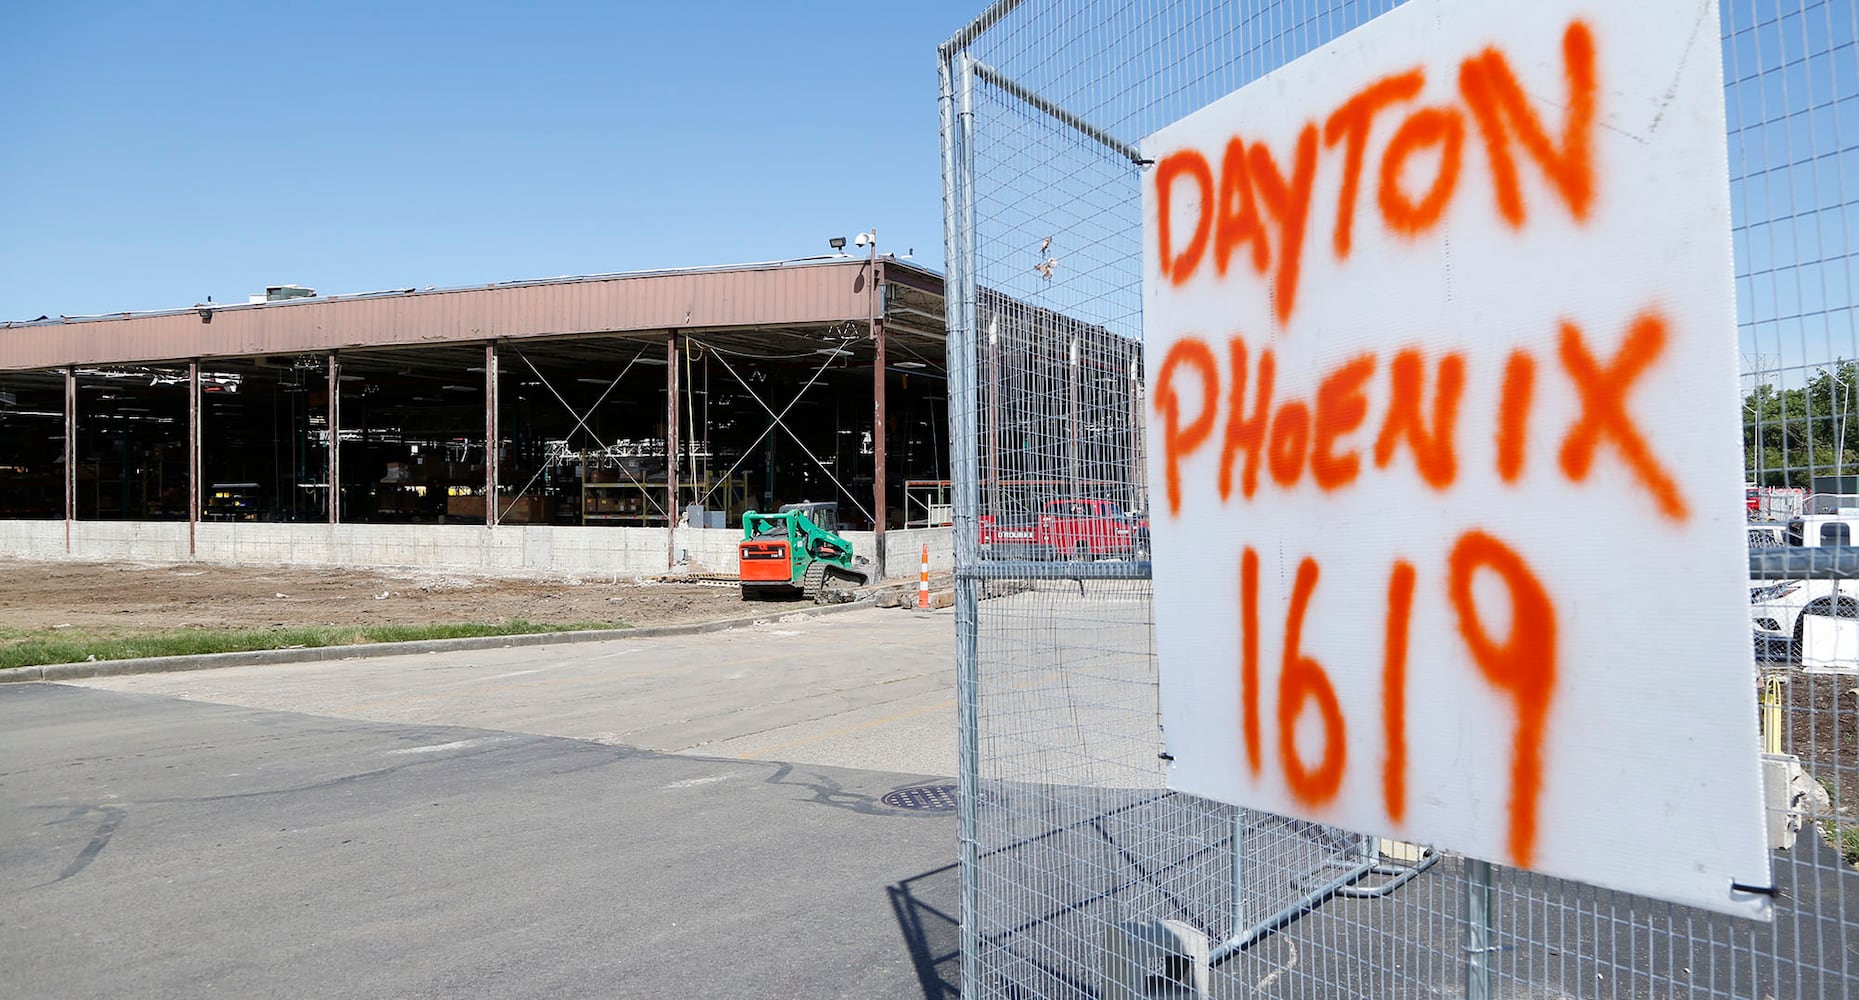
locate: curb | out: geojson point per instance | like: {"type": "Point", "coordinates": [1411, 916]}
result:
{"type": "Point", "coordinates": [257, 657]}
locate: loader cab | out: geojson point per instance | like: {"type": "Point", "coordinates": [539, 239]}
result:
{"type": "Point", "coordinates": [824, 515]}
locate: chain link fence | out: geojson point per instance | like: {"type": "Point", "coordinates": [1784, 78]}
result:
{"type": "Point", "coordinates": [1083, 875]}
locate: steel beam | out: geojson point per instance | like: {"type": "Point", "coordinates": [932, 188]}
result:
{"type": "Point", "coordinates": [671, 448]}
{"type": "Point", "coordinates": [492, 435]}
{"type": "Point", "coordinates": [193, 458]}
{"type": "Point", "coordinates": [1138, 448]}
{"type": "Point", "coordinates": [989, 499]}
{"type": "Point", "coordinates": [880, 469]}
{"type": "Point", "coordinates": [1071, 418]}
{"type": "Point", "coordinates": [70, 453]}
{"type": "Point", "coordinates": [334, 411]}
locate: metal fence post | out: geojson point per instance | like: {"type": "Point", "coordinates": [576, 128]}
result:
{"type": "Point", "coordinates": [959, 299]}
{"type": "Point", "coordinates": [1478, 925]}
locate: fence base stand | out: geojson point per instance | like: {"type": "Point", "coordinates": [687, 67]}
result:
{"type": "Point", "coordinates": [1155, 960]}
{"type": "Point", "coordinates": [1364, 860]}
{"type": "Point", "coordinates": [1414, 860]}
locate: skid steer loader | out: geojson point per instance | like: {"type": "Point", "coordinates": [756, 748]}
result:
{"type": "Point", "coordinates": [794, 552]}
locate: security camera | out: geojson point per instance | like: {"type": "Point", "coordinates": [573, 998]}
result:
{"type": "Point", "coordinates": [862, 239]}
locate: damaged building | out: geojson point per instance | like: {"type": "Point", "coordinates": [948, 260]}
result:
{"type": "Point", "coordinates": [612, 424]}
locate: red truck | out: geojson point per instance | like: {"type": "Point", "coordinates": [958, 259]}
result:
{"type": "Point", "coordinates": [1066, 528]}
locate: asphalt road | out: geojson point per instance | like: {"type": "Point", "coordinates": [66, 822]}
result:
{"type": "Point", "coordinates": [327, 829]}
{"type": "Point", "coordinates": [872, 689]}
{"type": "Point", "coordinates": [156, 847]}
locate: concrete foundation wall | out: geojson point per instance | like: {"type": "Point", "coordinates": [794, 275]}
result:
{"type": "Point", "coordinates": [32, 539]}
{"type": "Point", "coordinates": [510, 550]}
{"type": "Point", "coordinates": [904, 549]}
{"type": "Point", "coordinates": [507, 550]}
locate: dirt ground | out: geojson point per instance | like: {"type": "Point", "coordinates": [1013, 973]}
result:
{"type": "Point", "coordinates": [1822, 728]}
{"type": "Point", "coordinates": [142, 597]}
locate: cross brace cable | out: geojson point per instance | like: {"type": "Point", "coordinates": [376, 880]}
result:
{"type": "Point", "coordinates": [790, 431]}
{"type": "Point", "coordinates": [817, 372]}
{"type": "Point", "coordinates": [581, 424]}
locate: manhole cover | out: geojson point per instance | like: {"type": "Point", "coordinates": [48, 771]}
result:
{"type": "Point", "coordinates": [935, 798]}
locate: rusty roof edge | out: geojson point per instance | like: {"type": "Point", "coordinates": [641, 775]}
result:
{"type": "Point", "coordinates": [216, 307]}
{"type": "Point", "coordinates": [920, 278]}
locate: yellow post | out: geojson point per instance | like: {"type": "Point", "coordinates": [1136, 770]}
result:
{"type": "Point", "coordinates": [1772, 713]}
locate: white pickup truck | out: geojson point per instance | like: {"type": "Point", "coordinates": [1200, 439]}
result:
{"type": "Point", "coordinates": [1776, 607]}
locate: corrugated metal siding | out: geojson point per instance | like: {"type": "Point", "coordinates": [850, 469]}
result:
{"type": "Point", "coordinates": [764, 296]}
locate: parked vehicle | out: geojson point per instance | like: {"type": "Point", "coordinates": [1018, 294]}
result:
{"type": "Point", "coordinates": [1090, 529]}
{"type": "Point", "coordinates": [1074, 528]}
{"type": "Point", "coordinates": [1011, 534]}
{"type": "Point", "coordinates": [1776, 608]}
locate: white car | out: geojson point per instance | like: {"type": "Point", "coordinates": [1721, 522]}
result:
{"type": "Point", "coordinates": [1777, 606]}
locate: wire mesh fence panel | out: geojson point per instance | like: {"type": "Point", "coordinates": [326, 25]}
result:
{"type": "Point", "coordinates": [1084, 875]}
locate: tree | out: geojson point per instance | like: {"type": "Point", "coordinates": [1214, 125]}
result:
{"type": "Point", "coordinates": [1792, 435]}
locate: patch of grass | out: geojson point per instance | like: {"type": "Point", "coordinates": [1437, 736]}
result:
{"type": "Point", "coordinates": [40, 647]}
{"type": "Point", "coordinates": [1844, 838]}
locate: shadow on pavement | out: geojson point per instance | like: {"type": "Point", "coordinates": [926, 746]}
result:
{"type": "Point", "coordinates": [928, 909]}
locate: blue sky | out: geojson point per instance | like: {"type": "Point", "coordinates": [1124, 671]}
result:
{"type": "Point", "coordinates": [156, 154]}
{"type": "Point", "coordinates": [1791, 72]}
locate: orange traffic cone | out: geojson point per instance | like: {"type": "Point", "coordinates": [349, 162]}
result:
{"type": "Point", "coordinates": [923, 581]}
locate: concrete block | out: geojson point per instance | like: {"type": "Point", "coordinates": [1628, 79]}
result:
{"type": "Point", "coordinates": [1791, 798]}
{"type": "Point", "coordinates": [1154, 960]}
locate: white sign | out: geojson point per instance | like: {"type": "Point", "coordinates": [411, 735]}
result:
{"type": "Point", "coordinates": [1445, 445]}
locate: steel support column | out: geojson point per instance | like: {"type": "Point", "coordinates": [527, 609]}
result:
{"type": "Point", "coordinates": [193, 458]}
{"type": "Point", "coordinates": [492, 437]}
{"type": "Point", "coordinates": [1071, 418]}
{"type": "Point", "coordinates": [1138, 448]}
{"type": "Point", "coordinates": [671, 448]}
{"type": "Point", "coordinates": [879, 467]}
{"type": "Point", "coordinates": [334, 411]}
{"type": "Point", "coordinates": [990, 480]}
{"type": "Point", "coordinates": [70, 453]}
